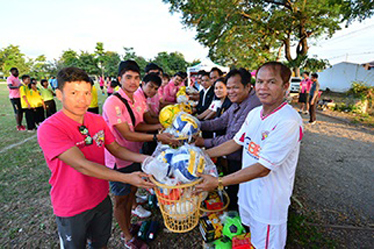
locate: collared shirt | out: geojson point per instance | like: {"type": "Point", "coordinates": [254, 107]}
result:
{"type": "Point", "coordinates": [205, 91]}
{"type": "Point", "coordinates": [231, 120]}
{"type": "Point", "coordinates": [170, 92]}
{"type": "Point", "coordinates": [305, 85]}
{"type": "Point", "coordinates": [13, 93]}
{"type": "Point", "coordinates": [115, 112]}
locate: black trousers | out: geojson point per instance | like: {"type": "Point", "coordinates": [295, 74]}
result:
{"type": "Point", "coordinates": [50, 107]}
{"type": "Point", "coordinates": [232, 190]}
{"type": "Point", "coordinates": [312, 111]}
{"type": "Point", "coordinates": [34, 116]}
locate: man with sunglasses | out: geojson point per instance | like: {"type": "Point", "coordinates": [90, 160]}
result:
{"type": "Point", "coordinates": [73, 143]}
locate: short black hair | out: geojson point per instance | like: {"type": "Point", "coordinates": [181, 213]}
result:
{"type": "Point", "coordinates": [129, 65]}
{"type": "Point", "coordinates": [221, 79]}
{"type": "Point", "coordinates": [245, 76]}
{"type": "Point", "coordinates": [315, 75]}
{"type": "Point", "coordinates": [180, 74]}
{"type": "Point", "coordinates": [284, 71]}
{"type": "Point", "coordinates": [25, 76]}
{"type": "Point", "coordinates": [165, 75]}
{"type": "Point", "coordinates": [92, 81]}
{"type": "Point", "coordinates": [42, 81]}
{"type": "Point", "coordinates": [220, 73]}
{"type": "Point", "coordinates": [201, 72]}
{"type": "Point", "coordinates": [306, 72]}
{"type": "Point", "coordinates": [152, 66]}
{"type": "Point", "coordinates": [204, 74]}
{"type": "Point", "coordinates": [152, 77]}
{"type": "Point", "coordinates": [71, 74]}
{"type": "Point", "coordinates": [13, 68]}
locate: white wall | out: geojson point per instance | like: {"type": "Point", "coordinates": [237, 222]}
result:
{"type": "Point", "coordinates": [340, 76]}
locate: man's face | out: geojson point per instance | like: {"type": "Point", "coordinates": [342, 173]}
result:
{"type": "Point", "coordinates": [313, 79]}
{"type": "Point", "coordinates": [26, 81]}
{"type": "Point", "coordinates": [177, 80]}
{"type": "Point", "coordinates": [130, 81]}
{"type": "Point", "coordinates": [270, 88]}
{"type": "Point", "coordinates": [45, 84]}
{"type": "Point", "coordinates": [237, 92]}
{"type": "Point", "coordinates": [305, 76]}
{"type": "Point", "coordinates": [165, 81]}
{"type": "Point", "coordinates": [15, 73]}
{"type": "Point", "coordinates": [214, 75]}
{"type": "Point", "coordinates": [75, 97]}
{"type": "Point", "coordinates": [206, 82]}
{"type": "Point", "coordinates": [198, 79]}
{"type": "Point", "coordinates": [150, 89]}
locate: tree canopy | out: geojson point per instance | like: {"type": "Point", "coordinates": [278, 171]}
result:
{"type": "Point", "coordinates": [248, 33]}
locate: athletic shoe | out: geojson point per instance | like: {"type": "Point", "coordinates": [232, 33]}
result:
{"type": "Point", "coordinates": [140, 212]}
{"type": "Point", "coordinates": [18, 128]}
{"type": "Point", "coordinates": [23, 128]}
{"type": "Point", "coordinates": [136, 243]}
{"type": "Point", "coordinates": [30, 131]}
{"type": "Point", "coordinates": [140, 201]}
{"type": "Point", "coordinates": [312, 123]}
{"type": "Point", "coordinates": [143, 196]}
{"type": "Point", "coordinates": [306, 112]}
{"type": "Point", "coordinates": [134, 229]}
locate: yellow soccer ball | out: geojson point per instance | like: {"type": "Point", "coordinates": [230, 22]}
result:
{"type": "Point", "coordinates": [167, 115]}
{"type": "Point", "coordinates": [185, 107]}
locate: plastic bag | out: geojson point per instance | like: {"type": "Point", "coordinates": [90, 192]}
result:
{"type": "Point", "coordinates": [157, 168]}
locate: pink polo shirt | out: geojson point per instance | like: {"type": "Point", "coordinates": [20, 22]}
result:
{"type": "Point", "coordinates": [153, 104]}
{"type": "Point", "coordinates": [13, 93]}
{"type": "Point", "coordinates": [305, 85]}
{"type": "Point", "coordinates": [160, 93]}
{"type": "Point", "coordinates": [73, 192]}
{"type": "Point", "coordinates": [170, 91]}
{"type": "Point", "coordinates": [115, 112]}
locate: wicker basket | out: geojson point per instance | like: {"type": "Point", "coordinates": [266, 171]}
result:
{"type": "Point", "coordinates": [179, 207]}
{"type": "Point", "coordinates": [226, 202]}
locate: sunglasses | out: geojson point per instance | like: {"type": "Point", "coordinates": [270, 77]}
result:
{"type": "Point", "coordinates": [84, 131]}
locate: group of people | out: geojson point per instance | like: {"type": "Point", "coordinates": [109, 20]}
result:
{"type": "Point", "coordinates": [308, 95]}
{"type": "Point", "coordinates": [250, 128]}
{"type": "Point", "coordinates": [26, 96]}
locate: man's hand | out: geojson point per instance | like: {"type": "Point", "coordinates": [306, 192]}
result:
{"type": "Point", "coordinates": [209, 183]}
{"type": "Point", "coordinates": [167, 138]}
{"type": "Point", "coordinates": [199, 141]}
{"type": "Point", "coordinates": [136, 179]}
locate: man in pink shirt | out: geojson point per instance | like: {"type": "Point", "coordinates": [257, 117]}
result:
{"type": "Point", "coordinates": [305, 85]}
{"type": "Point", "coordinates": [171, 89]}
{"type": "Point", "coordinates": [14, 84]}
{"type": "Point", "coordinates": [123, 112]}
{"type": "Point", "coordinates": [73, 142]}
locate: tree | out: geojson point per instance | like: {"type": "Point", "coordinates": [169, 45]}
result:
{"type": "Point", "coordinates": [88, 63]}
{"type": "Point", "coordinates": [315, 64]}
{"type": "Point", "coordinates": [69, 58]}
{"type": "Point", "coordinates": [40, 68]}
{"type": "Point", "coordinates": [248, 33]}
{"type": "Point", "coordinates": [131, 55]}
{"type": "Point", "coordinates": [172, 62]}
{"type": "Point", "coordinates": [110, 63]}
{"type": "Point", "coordinates": [99, 55]}
{"type": "Point", "coordinates": [12, 56]}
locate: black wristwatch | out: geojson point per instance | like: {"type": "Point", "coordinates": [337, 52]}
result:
{"type": "Point", "coordinates": [155, 138]}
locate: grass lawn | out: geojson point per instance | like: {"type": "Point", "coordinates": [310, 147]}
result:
{"type": "Point", "coordinates": [27, 220]}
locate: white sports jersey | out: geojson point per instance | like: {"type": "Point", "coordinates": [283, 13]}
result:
{"type": "Point", "coordinates": [274, 142]}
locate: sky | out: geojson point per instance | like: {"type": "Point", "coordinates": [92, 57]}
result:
{"type": "Point", "coordinates": [50, 27]}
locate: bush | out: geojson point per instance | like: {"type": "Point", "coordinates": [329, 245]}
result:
{"type": "Point", "coordinates": [361, 90]}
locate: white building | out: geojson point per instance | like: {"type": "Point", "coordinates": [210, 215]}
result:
{"type": "Point", "coordinates": [339, 77]}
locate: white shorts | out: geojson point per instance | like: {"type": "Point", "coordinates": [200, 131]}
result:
{"type": "Point", "coordinates": [264, 236]}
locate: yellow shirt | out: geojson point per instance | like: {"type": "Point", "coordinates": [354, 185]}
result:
{"type": "Point", "coordinates": [33, 97]}
{"type": "Point", "coordinates": [46, 93]}
{"type": "Point", "coordinates": [94, 101]}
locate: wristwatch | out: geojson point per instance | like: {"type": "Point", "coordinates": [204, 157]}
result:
{"type": "Point", "coordinates": [220, 184]}
{"type": "Point", "coordinates": [155, 138]}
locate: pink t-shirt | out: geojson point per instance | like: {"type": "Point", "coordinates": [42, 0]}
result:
{"type": "Point", "coordinates": [154, 104]}
{"type": "Point", "coordinates": [101, 81]}
{"type": "Point", "coordinates": [73, 192]}
{"type": "Point", "coordinates": [13, 93]}
{"type": "Point", "coordinates": [160, 93]}
{"type": "Point", "coordinates": [305, 85]}
{"type": "Point", "coordinates": [115, 112]}
{"type": "Point", "coordinates": [170, 92]}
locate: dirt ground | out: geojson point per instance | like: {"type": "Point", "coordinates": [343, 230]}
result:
{"type": "Point", "coordinates": [334, 180]}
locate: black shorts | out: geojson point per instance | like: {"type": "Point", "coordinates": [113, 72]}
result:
{"type": "Point", "coordinates": [16, 103]}
{"type": "Point", "coordinates": [303, 97]}
{"type": "Point", "coordinates": [120, 188]}
{"type": "Point", "coordinates": [94, 224]}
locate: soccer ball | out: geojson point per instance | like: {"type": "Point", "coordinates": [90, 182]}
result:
{"type": "Point", "coordinates": [185, 107]}
{"type": "Point", "coordinates": [167, 115]}
{"type": "Point", "coordinates": [233, 226]}
{"type": "Point", "coordinates": [186, 164]}
{"type": "Point", "coordinates": [185, 125]}
{"type": "Point", "coordinates": [165, 156]}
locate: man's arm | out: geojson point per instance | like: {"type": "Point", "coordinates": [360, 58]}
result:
{"type": "Point", "coordinates": [13, 87]}
{"type": "Point", "coordinates": [143, 127]}
{"type": "Point", "coordinates": [217, 123]}
{"type": "Point", "coordinates": [122, 153]}
{"type": "Point", "coordinates": [149, 118]}
{"type": "Point", "coordinates": [254, 171]}
{"type": "Point", "coordinates": [224, 149]}
{"type": "Point", "coordinates": [75, 158]}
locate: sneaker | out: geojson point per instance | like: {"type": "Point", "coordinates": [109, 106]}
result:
{"type": "Point", "coordinates": [18, 128]}
{"type": "Point", "coordinates": [306, 113]}
{"type": "Point", "coordinates": [30, 131]}
{"type": "Point", "coordinates": [136, 243]}
{"type": "Point", "coordinates": [140, 212]}
{"type": "Point", "coordinates": [143, 196]}
{"type": "Point", "coordinates": [312, 123]}
{"type": "Point", "coordinates": [140, 200]}
{"type": "Point", "coordinates": [23, 128]}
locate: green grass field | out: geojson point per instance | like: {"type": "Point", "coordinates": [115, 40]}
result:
{"type": "Point", "coordinates": [27, 220]}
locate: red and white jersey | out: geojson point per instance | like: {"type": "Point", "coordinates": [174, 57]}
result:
{"type": "Point", "coordinates": [274, 142]}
